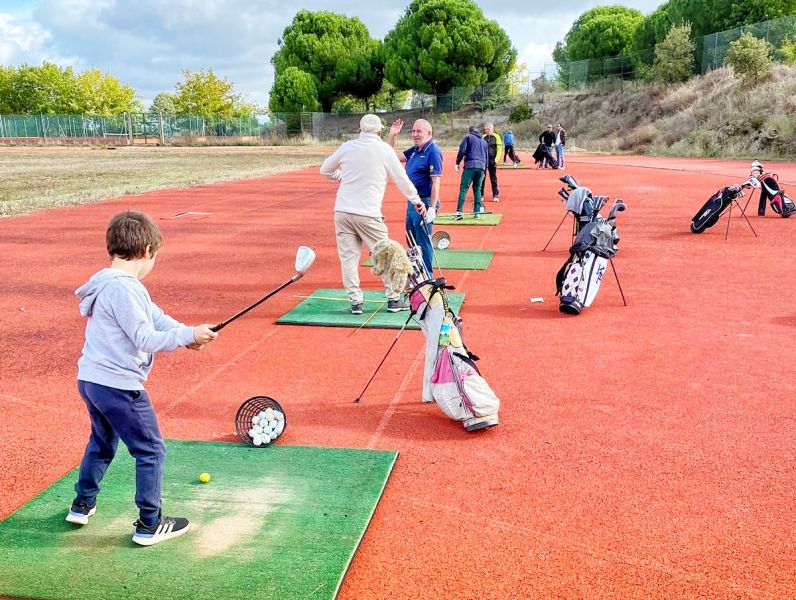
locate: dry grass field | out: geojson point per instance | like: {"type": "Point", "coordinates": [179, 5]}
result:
{"type": "Point", "coordinates": [39, 178]}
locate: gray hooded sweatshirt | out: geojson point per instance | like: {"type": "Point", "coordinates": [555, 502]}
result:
{"type": "Point", "coordinates": [124, 330]}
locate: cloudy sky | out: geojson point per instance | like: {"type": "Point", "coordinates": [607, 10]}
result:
{"type": "Point", "coordinates": [147, 43]}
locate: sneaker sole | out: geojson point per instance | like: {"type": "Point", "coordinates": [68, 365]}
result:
{"type": "Point", "coordinates": [80, 518]}
{"type": "Point", "coordinates": [395, 310]}
{"type": "Point", "coordinates": [151, 540]}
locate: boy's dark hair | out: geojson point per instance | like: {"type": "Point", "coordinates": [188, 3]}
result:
{"type": "Point", "coordinates": [129, 233]}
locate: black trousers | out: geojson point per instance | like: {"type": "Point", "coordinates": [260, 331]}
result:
{"type": "Point", "coordinates": [491, 168]}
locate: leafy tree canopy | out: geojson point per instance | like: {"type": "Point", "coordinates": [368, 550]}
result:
{"type": "Point", "coordinates": [203, 93]}
{"type": "Point", "coordinates": [164, 102]}
{"type": "Point", "coordinates": [293, 91]}
{"type": "Point", "coordinates": [602, 32]}
{"type": "Point", "coordinates": [441, 44]}
{"type": "Point", "coordinates": [50, 89]}
{"type": "Point", "coordinates": [750, 57]}
{"type": "Point", "coordinates": [337, 51]}
{"type": "Point", "coordinates": [674, 56]}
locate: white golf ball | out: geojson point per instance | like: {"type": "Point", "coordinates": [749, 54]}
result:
{"type": "Point", "coordinates": [255, 419]}
{"type": "Point", "coordinates": [279, 416]}
{"type": "Point", "coordinates": [274, 435]}
{"type": "Point", "coordinates": [272, 423]}
{"type": "Point", "coordinates": [257, 429]}
{"type": "Point", "coordinates": [251, 432]}
{"type": "Point", "coordinates": [280, 427]}
{"type": "Point", "coordinates": [261, 414]}
{"type": "Point", "coordinates": [269, 413]}
{"type": "Point", "coordinates": [257, 439]}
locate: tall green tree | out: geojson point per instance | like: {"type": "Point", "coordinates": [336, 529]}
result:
{"type": "Point", "coordinates": [674, 56]}
{"type": "Point", "coordinates": [164, 103]}
{"type": "Point", "coordinates": [204, 93]}
{"type": "Point", "coordinates": [441, 44]}
{"type": "Point", "coordinates": [293, 91]}
{"type": "Point", "coordinates": [102, 94]}
{"type": "Point", "coordinates": [603, 32]}
{"type": "Point", "coordinates": [337, 51]}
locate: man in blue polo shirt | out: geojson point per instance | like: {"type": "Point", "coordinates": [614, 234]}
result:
{"type": "Point", "coordinates": [424, 168]}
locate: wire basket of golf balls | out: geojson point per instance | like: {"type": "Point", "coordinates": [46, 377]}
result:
{"type": "Point", "coordinates": [260, 421]}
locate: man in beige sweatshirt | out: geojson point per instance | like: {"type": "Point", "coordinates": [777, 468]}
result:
{"type": "Point", "coordinates": [362, 167]}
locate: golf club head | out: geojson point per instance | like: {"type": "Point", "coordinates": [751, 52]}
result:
{"type": "Point", "coordinates": [752, 182]}
{"type": "Point", "coordinates": [305, 256]}
{"type": "Point", "coordinates": [570, 181]}
{"type": "Point", "coordinates": [618, 206]}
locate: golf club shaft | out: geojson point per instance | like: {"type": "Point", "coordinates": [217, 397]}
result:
{"type": "Point", "coordinates": [223, 324]}
{"type": "Point", "coordinates": [372, 377]}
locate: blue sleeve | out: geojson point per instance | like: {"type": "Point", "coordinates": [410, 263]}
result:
{"type": "Point", "coordinates": [408, 152]}
{"type": "Point", "coordinates": [462, 150]}
{"type": "Point", "coordinates": [435, 161]}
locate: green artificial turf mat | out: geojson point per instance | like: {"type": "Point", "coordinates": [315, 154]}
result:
{"type": "Point", "coordinates": [280, 522]}
{"type": "Point", "coordinates": [331, 308]}
{"type": "Point", "coordinates": [484, 219]}
{"type": "Point", "coordinates": [468, 260]}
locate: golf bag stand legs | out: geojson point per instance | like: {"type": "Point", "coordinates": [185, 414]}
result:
{"type": "Point", "coordinates": [574, 229]}
{"type": "Point", "coordinates": [613, 268]}
{"type": "Point", "coordinates": [735, 203]}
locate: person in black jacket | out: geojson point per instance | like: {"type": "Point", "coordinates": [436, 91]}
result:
{"type": "Point", "coordinates": [495, 144]}
{"type": "Point", "coordinates": [548, 139]}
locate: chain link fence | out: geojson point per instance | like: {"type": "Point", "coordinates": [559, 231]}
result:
{"type": "Point", "coordinates": [715, 45]}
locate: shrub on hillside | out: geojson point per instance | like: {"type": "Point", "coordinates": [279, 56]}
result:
{"type": "Point", "coordinates": [787, 51]}
{"type": "Point", "coordinates": [674, 56]}
{"type": "Point", "coordinates": [521, 112]}
{"type": "Point", "coordinates": [750, 57]}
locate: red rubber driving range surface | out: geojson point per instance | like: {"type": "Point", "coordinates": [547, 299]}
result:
{"type": "Point", "coordinates": [644, 451]}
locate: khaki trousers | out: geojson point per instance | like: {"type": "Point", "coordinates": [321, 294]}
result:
{"type": "Point", "coordinates": [351, 231]}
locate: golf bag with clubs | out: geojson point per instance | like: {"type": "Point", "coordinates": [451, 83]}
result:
{"type": "Point", "coordinates": [709, 214]}
{"type": "Point", "coordinates": [543, 157]}
{"type": "Point", "coordinates": [579, 278]}
{"type": "Point", "coordinates": [580, 201]}
{"type": "Point", "coordinates": [450, 375]}
{"type": "Point", "coordinates": [772, 192]}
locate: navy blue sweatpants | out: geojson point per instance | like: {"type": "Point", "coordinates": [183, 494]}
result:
{"type": "Point", "coordinates": [127, 415]}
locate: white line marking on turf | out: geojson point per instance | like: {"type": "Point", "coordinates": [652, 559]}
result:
{"type": "Point", "coordinates": [385, 419]}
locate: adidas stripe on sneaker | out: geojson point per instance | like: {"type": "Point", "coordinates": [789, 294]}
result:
{"type": "Point", "coordinates": [165, 529]}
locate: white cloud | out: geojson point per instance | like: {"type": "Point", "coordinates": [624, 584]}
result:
{"type": "Point", "coordinates": [147, 43]}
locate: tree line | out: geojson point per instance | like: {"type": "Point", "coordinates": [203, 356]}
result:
{"type": "Point", "coordinates": [611, 31]}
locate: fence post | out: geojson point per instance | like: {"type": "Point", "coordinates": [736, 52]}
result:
{"type": "Point", "coordinates": [161, 133]}
{"type": "Point", "coordinates": [128, 122]}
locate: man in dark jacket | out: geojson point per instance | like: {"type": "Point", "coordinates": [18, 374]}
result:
{"type": "Point", "coordinates": [561, 140]}
{"type": "Point", "coordinates": [495, 145]}
{"type": "Point", "coordinates": [473, 150]}
{"type": "Point", "coordinates": [548, 139]}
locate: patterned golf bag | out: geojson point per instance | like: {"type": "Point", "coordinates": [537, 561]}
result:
{"type": "Point", "coordinates": [450, 375]}
{"type": "Point", "coordinates": [579, 279]}
{"type": "Point", "coordinates": [771, 192]}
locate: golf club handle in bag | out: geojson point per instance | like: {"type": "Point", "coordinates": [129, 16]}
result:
{"type": "Point", "coordinates": [223, 324]}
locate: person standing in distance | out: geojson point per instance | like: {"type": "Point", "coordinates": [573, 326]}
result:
{"type": "Point", "coordinates": [424, 168]}
{"type": "Point", "coordinates": [473, 151]}
{"type": "Point", "coordinates": [561, 140]}
{"type": "Point", "coordinates": [495, 145]}
{"type": "Point", "coordinates": [362, 167]}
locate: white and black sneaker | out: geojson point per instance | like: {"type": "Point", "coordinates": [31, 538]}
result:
{"type": "Point", "coordinates": [397, 305]}
{"type": "Point", "coordinates": [80, 512]}
{"type": "Point", "coordinates": [165, 529]}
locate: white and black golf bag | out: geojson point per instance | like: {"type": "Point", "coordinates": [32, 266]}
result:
{"type": "Point", "coordinates": [579, 278]}
{"type": "Point", "coordinates": [450, 375]}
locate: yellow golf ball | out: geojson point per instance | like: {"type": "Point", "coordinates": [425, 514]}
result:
{"type": "Point", "coordinates": [204, 477]}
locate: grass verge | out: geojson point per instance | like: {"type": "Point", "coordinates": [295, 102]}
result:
{"type": "Point", "coordinates": [41, 178]}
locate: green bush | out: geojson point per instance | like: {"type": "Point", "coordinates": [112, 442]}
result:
{"type": "Point", "coordinates": [521, 112]}
{"type": "Point", "coordinates": [674, 55]}
{"type": "Point", "coordinates": [787, 51]}
{"type": "Point", "coordinates": [750, 57]}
